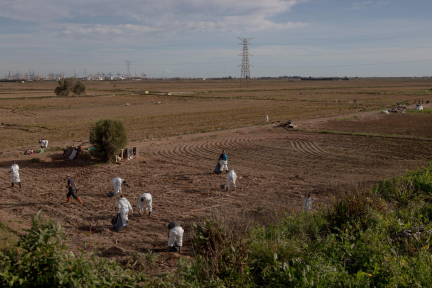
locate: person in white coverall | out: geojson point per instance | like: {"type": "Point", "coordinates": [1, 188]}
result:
{"type": "Point", "coordinates": [14, 169]}
{"type": "Point", "coordinates": [117, 183]}
{"type": "Point", "coordinates": [44, 144]}
{"type": "Point", "coordinates": [145, 202]}
{"type": "Point", "coordinates": [175, 236]}
{"type": "Point", "coordinates": [266, 119]}
{"type": "Point", "coordinates": [124, 206]}
{"type": "Point", "coordinates": [231, 178]}
{"type": "Point", "coordinates": [307, 204]}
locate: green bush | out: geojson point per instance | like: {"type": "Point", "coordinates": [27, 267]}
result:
{"type": "Point", "coordinates": [68, 85]}
{"type": "Point", "coordinates": [108, 137]}
{"type": "Point", "coordinates": [404, 189]}
{"type": "Point", "coordinates": [35, 160]}
{"type": "Point", "coordinates": [41, 259]}
{"type": "Point", "coordinates": [351, 244]}
{"type": "Point", "coordinates": [220, 255]}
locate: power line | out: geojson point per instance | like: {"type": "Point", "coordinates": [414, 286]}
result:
{"type": "Point", "coordinates": [373, 64]}
{"type": "Point", "coordinates": [354, 65]}
{"type": "Point", "coordinates": [357, 53]}
{"type": "Point", "coordinates": [347, 39]}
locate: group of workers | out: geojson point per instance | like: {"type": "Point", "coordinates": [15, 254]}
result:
{"type": "Point", "coordinates": [175, 231]}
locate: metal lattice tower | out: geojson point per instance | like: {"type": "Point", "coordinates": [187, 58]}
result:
{"type": "Point", "coordinates": [245, 71]}
{"type": "Point", "coordinates": [128, 75]}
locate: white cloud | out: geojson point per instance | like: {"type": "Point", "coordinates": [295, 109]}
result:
{"type": "Point", "coordinates": [360, 5]}
{"type": "Point", "coordinates": [167, 15]}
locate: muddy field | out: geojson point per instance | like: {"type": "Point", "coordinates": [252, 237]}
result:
{"type": "Point", "coordinates": [276, 167]}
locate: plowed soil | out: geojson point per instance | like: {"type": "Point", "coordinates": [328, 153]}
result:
{"type": "Point", "coordinates": [276, 168]}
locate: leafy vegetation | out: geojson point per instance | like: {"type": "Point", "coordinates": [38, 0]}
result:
{"type": "Point", "coordinates": [70, 85]}
{"type": "Point", "coordinates": [352, 244]}
{"type": "Point", "coordinates": [108, 137]}
{"type": "Point", "coordinates": [424, 111]}
{"type": "Point", "coordinates": [41, 259]}
{"type": "Point", "coordinates": [35, 160]}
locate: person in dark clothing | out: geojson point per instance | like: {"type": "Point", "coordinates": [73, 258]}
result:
{"type": "Point", "coordinates": [223, 158]}
{"type": "Point", "coordinates": [72, 190]}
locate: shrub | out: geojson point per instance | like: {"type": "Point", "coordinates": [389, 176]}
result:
{"type": "Point", "coordinates": [220, 256]}
{"type": "Point", "coordinates": [354, 209]}
{"type": "Point", "coordinates": [404, 189]}
{"type": "Point", "coordinates": [353, 243]}
{"type": "Point", "coordinates": [41, 259]}
{"type": "Point", "coordinates": [108, 137]}
{"type": "Point", "coordinates": [35, 160]}
{"type": "Point", "coordinates": [68, 85]}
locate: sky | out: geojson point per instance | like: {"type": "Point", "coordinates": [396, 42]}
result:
{"type": "Point", "coordinates": [198, 38]}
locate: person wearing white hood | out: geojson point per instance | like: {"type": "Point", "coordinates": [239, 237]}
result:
{"type": "Point", "coordinates": [307, 204]}
{"type": "Point", "coordinates": [44, 144]}
{"type": "Point", "coordinates": [145, 202]}
{"type": "Point", "coordinates": [124, 206]}
{"type": "Point", "coordinates": [231, 178]}
{"type": "Point", "coordinates": [14, 169]}
{"type": "Point", "coordinates": [117, 183]}
{"type": "Point", "coordinates": [175, 237]}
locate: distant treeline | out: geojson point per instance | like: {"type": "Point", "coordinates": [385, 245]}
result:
{"type": "Point", "coordinates": [323, 78]}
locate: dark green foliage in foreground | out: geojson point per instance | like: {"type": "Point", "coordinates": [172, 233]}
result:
{"type": "Point", "coordinates": [42, 260]}
{"type": "Point", "coordinates": [108, 137]}
{"type": "Point", "coordinates": [70, 85]}
{"type": "Point", "coordinates": [352, 244]}
{"type": "Point", "coordinates": [415, 185]}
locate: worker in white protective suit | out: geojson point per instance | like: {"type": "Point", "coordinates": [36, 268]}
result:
{"type": "Point", "coordinates": [175, 237]}
{"type": "Point", "coordinates": [44, 144]}
{"type": "Point", "coordinates": [223, 158]}
{"type": "Point", "coordinates": [307, 204]}
{"type": "Point", "coordinates": [231, 178]}
{"type": "Point", "coordinates": [117, 183]}
{"type": "Point", "coordinates": [14, 169]}
{"type": "Point", "coordinates": [124, 207]}
{"type": "Point", "coordinates": [266, 119]}
{"type": "Point", "coordinates": [145, 202]}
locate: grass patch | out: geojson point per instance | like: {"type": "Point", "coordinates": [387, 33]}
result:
{"type": "Point", "coordinates": [424, 111]}
{"type": "Point", "coordinates": [35, 160]}
{"type": "Point", "coordinates": [55, 149]}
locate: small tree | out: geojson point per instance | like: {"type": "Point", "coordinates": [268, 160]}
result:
{"type": "Point", "coordinates": [68, 85]}
{"type": "Point", "coordinates": [108, 137]}
{"type": "Point", "coordinates": [79, 88]}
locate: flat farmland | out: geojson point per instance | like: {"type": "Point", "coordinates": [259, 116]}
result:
{"type": "Point", "coordinates": [340, 145]}
{"type": "Point", "coordinates": [30, 111]}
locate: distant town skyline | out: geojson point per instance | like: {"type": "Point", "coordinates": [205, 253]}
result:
{"type": "Point", "coordinates": [192, 38]}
